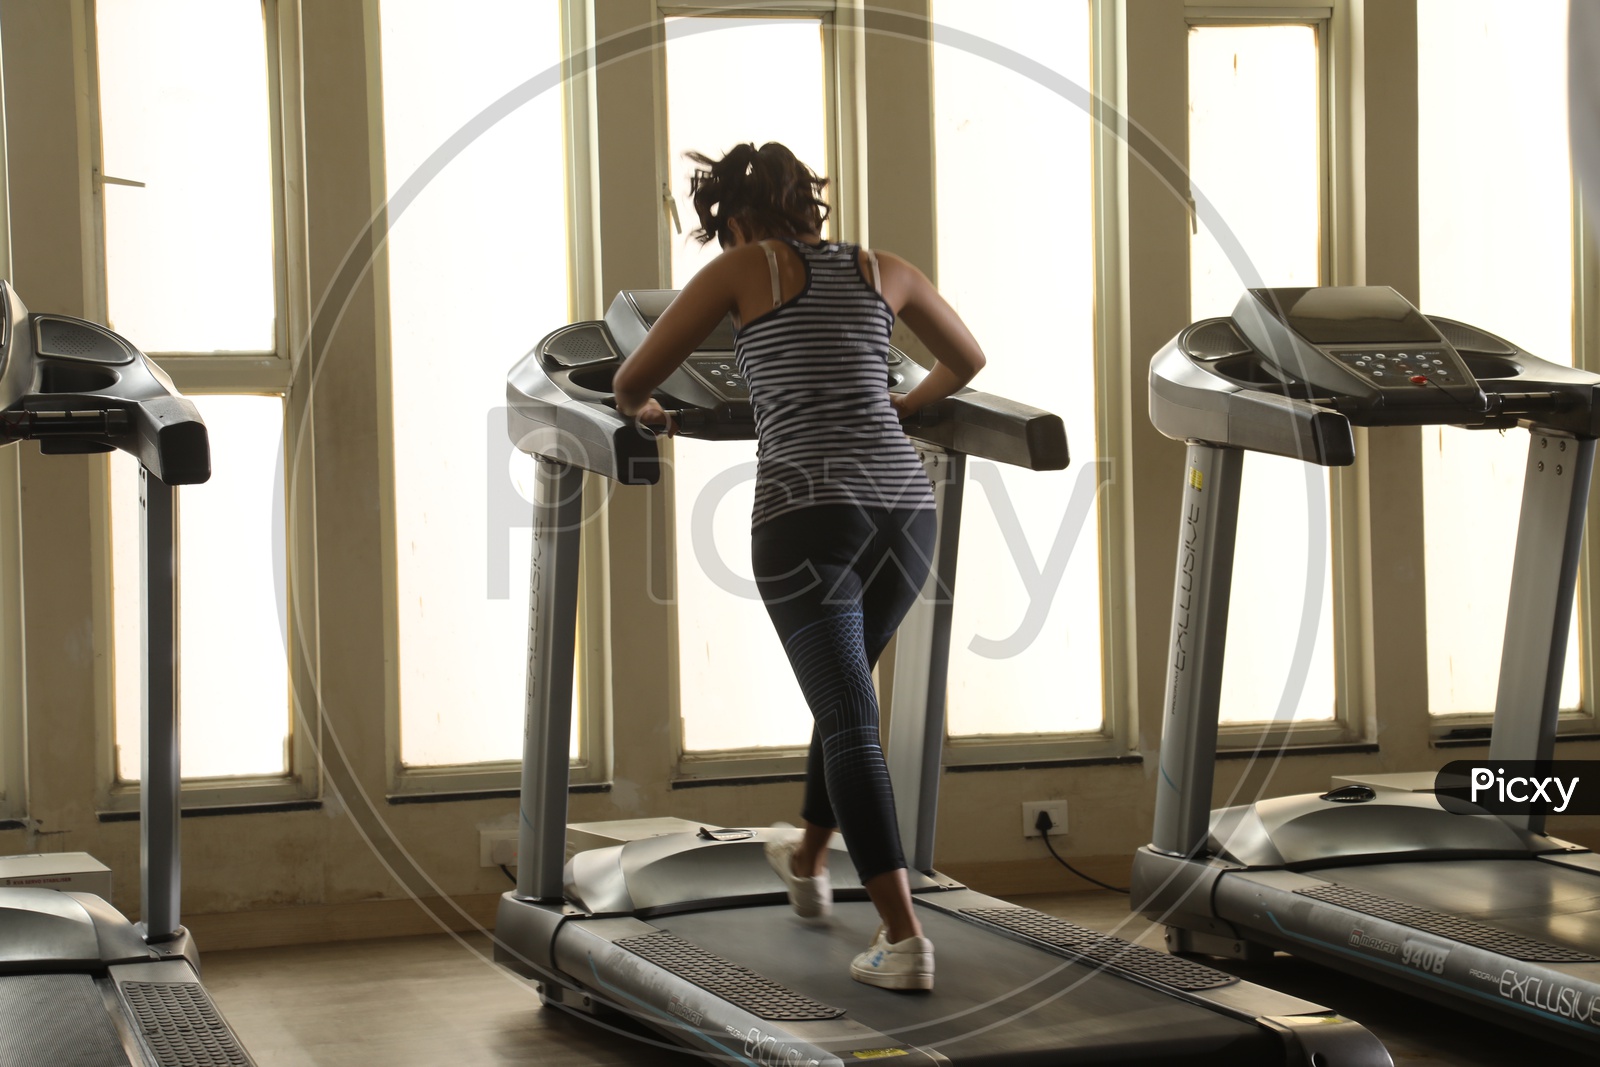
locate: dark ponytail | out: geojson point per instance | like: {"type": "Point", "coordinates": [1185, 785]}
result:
{"type": "Point", "coordinates": [767, 189]}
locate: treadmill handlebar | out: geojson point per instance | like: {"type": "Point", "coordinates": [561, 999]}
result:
{"type": "Point", "coordinates": [1192, 404]}
{"type": "Point", "coordinates": [77, 387]}
{"type": "Point", "coordinates": [691, 421]}
{"type": "Point", "coordinates": [560, 405]}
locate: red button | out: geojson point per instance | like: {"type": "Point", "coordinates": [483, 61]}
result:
{"type": "Point", "coordinates": [1419, 379]}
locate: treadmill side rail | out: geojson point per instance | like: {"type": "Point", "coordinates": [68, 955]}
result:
{"type": "Point", "coordinates": [174, 1018]}
{"type": "Point", "coordinates": [1327, 1039]}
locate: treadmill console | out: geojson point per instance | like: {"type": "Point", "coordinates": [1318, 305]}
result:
{"type": "Point", "coordinates": [1374, 332]}
{"type": "Point", "coordinates": [1365, 346]}
{"type": "Point", "coordinates": [560, 405]}
{"type": "Point", "coordinates": [76, 387]}
{"type": "Point", "coordinates": [1293, 369]}
{"type": "Point", "coordinates": [560, 395]}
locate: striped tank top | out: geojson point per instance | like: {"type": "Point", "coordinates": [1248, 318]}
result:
{"type": "Point", "coordinates": [816, 366]}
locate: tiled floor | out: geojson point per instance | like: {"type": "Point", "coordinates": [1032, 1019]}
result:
{"type": "Point", "coordinates": [417, 1001]}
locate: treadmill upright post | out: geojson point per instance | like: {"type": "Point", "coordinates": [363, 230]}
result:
{"type": "Point", "coordinates": [1201, 588]}
{"type": "Point", "coordinates": [1555, 493]}
{"type": "Point", "coordinates": [161, 776]}
{"type": "Point", "coordinates": [921, 667]}
{"type": "Point", "coordinates": [547, 731]}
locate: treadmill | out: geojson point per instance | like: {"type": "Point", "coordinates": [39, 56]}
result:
{"type": "Point", "coordinates": [1384, 878]}
{"type": "Point", "coordinates": [691, 934]}
{"type": "Point", "coordinates": [80, 986]}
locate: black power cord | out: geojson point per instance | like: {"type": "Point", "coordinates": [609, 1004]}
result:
{"type": "Point", "coordinates": [1044, 824]}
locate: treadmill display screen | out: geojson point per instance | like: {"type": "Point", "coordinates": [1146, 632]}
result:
{"type": "Point", "coordinates": [1352, 315]}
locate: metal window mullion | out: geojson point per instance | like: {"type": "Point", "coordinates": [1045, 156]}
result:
{"type": "Point", "coordinates": [13, 691]}
{"type": "Point", "coordinates": [95, 301]}
{"type": "Point", "coordinates": [1586, 336]}
{"type": "Point", "coordinates": [1115, 390]}
{"type": "Point", "coordinates": [585, 300]}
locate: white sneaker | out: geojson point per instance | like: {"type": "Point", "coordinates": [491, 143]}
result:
{"type": "Point", "coordinates": [905, 964]}
{"type": "Point", "coordinates": [812, 897]}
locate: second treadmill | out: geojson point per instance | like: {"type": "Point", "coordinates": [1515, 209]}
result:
{"type": "Point", "coordinates": [1480, 911]}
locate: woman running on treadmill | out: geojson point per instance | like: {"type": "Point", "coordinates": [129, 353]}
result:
{"type": "Point", "coordinates": [843, 525]}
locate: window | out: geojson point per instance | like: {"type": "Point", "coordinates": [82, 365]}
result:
{"type": "Point", "coordinates": [233, 672]}
{"type": "Point", "coordinates": [189, 255]}
{"type": "Point", "coordinates": [1255, 136]}
{"type": "Point", "coordinates": [191, 258]}
{"type": "Point", "coordinates": [1026, 652]}
{"type": "Point", "coordinates": [13, 699]}
{"type": "Point", "coordinates": [477, 273]}
{"type": "Point", "coordinates": [1496, 252]}
{"type": "Point", "coordinates": [726, 646]}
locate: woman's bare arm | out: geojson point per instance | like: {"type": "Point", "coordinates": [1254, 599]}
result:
{"type": "Point", "coordinates": [936, 324]}
{"type": "Point", "coordinates": [687, 322]}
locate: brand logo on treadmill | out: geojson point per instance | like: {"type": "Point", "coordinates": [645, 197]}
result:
{"type": "Point", "coordinates": [1554, 997]}
{"type": "Point", "coordinates": [768, 1051]}
{"type": "Point", "coordinates": [685, 1011]}
{"type": "Point", "coordinates": [1362, 939]}
{"type": "Point", "coordinates": [1185, 598]}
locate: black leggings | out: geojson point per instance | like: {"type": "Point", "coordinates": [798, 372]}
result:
{"type": "Point", "coordinates": [837, 580]}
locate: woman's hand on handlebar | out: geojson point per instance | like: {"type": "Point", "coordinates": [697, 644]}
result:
{"type": "Point", "coordinates": [655, 418]}
{"type": "Point", "coordinates": [903, 410]}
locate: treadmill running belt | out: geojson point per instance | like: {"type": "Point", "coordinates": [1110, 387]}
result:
{"type": "Point", "coordinates": [1112, 951]}
{"type": "Point", "coordinates": [1465, 931]}
{"type": "Point", "coordinates": [996, 1000]}
{"type": "Point", "coordinates": [761, 997]}
{"type": "Point", "coordinates": [56, 1019]}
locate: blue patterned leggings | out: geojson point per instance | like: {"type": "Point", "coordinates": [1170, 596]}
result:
{"type": "Point", "coordinates": [836, 580]}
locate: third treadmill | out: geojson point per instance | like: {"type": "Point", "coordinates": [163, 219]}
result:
{"type": "Point", "coordinates": [1379, 877]}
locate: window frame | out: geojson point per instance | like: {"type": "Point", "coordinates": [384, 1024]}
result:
{"type": "Point", "coordinates": [1463, 729]}
{"type": "Point", "coordinates": [13, 690]}
{"type": "Point", "coordinates": [1354, 712]}
{"type": "Point", "coordinates": [1585, 338]}
{"type": "Point", "coordinates": [274, 373]}
{"type": "Point", "coordinates": [1115, 738]}
{"type": "Point", "coordinates": [843, 71]}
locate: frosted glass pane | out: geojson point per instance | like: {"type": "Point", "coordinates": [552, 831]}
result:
{"type": "Point", "coordinates": [1253, 128]}
{"type": "Point", "coordinates": [477, 274]}
{"type": "Point", "coordinates": [736, 688]}
{"type": "Point", "coordinates": [1272, 605]}
{"type": "Point", "coordinates": [1254, 120]}
{"type": "Point", "coordinates": [184, 109]}
{"type": "Point", "coordinates": [1496, 248]}
{"type": "Point", "coordinates": [1025, 646]}
{"type": "Point", "coordinates": [704, 57]}
{"type": "Point", "coordinates": [233, 675]}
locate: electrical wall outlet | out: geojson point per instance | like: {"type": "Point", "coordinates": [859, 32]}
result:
{"type": "Point", "coordinates": [498, 848]}
{"type": "Point", "coordinates": [1030, 817]}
